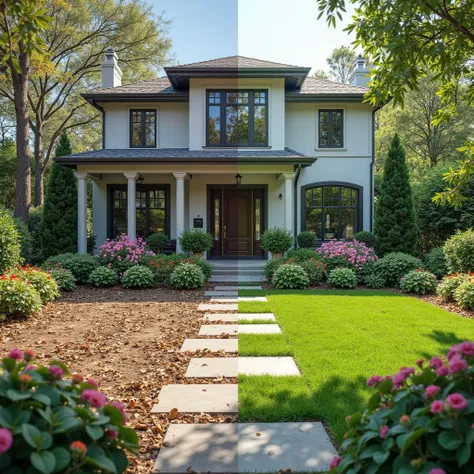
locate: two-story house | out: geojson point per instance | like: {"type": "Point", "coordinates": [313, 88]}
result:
{"type": "Point", "coordinates": [234, 146]}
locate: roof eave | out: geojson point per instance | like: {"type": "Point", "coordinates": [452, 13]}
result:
{"type": "Point", "coordinates": [134, 97]}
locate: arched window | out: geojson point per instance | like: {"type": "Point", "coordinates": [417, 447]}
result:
{"type": "Point", "coordinates": [331, 211]}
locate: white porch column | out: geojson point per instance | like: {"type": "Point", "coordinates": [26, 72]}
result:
{"type": "Point", "coordinates": [81, 211]}
{"type": "Point", "coordinates": [179, 207]}
{"type": "Point", "coordinates": [288, 203]}
{"type": "Point", "coordinates": [131, 205]}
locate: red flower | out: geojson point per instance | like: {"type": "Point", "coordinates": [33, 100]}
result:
{"type": "Point", "coordinates": [29, 354]}
{"type": "Point", "coordinates": [25, 378]}
{"type": "Point", "coordinates": [78, 447]}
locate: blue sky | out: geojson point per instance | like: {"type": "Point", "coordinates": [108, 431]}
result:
{"type": "Point", "coordinates": [275, 30]}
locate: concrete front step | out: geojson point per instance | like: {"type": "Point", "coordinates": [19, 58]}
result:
{"type": "Point", "coordinates": [237, 279]}
{"type": "Point", "coordinates": [210, 367]}
{"type": "Point", "coordinates": [233, 299]}
{"type": "Point", "coordinates": [213, 345]}
{"type": "Point", "coordinates": [198, 398]}
{"type": "Point", "coordinates": [218, 307]}
{"type": "Point", "coordinates": [207, 448]}
{"type": "Point", "coordinates": [233, 317]}
{"type": "Point", "coordinates": [222, 293]}
{"type": "Point", "coordinates": [237, 287]}
{"type": "Point", "coordinates": [247, 271]}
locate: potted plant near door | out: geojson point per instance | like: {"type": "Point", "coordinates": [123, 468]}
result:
{"type": "Point", "coordinates": [277, 241]}
{"type": "Point", "coordinates": [195, 242]}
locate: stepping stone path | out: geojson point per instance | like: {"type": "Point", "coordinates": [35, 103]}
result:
{"type": "Point", "coordinates": [233, 447]}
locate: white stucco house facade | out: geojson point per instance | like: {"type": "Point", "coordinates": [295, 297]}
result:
{"type": "Point", "coordinates": [234, 146]}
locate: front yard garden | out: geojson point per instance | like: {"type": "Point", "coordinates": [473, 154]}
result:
{"type": "Point", "coordinates": [339, 339]}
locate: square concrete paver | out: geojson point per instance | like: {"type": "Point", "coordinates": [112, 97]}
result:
{"type": "Point", "coordinates": [275, 366]}
{"type": "Point", "coordinates": [218, 307]}
{"type": "Point", "coordinates": [237, 287]}
{"type": "Point", "coordinates": [236, 299]}
{"type": "Point", "coordinates": [204, 367]}
{"type": "Point", "coordinates": [227, 317]}
{"type": "Point", "coordinates": [225, 293]}
{"type": "Point", "coordinates": [213, 345]}
{"type": "Point", "coordinates": [207, 448]}
{"type": "Point", "coordinates": [218, 329]}
{"type": "Point", "coordinates": [259, 329]}
{"type": "Point", "coordinates": [262, 299]}
{"type": "Point", "coordinates": [253, 316]}
{"type": "Point", "coordinates": [198, 398]}
{"type": "Point", "coordinates": [277, 447]}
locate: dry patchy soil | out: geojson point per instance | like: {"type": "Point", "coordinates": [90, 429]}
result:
{"type": "Point", "coordinates": [128, 341]}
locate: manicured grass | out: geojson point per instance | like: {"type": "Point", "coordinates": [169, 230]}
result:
{"type": "Point", "coordinates": [263, 345]}
{"type": "Point", "coordinates": [339, 339]}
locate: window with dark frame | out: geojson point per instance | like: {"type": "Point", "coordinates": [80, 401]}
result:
{"type": "Point", "coordinates": [331, 212]}
{"type": "Point", "coordinates": [142, 128]}
{"type": "Point", "coordinates": [331, 128]}
{"type": "Point", "coordinates": [237, 118]}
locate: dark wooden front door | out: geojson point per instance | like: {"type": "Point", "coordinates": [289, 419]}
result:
{"type": "Point", "coordinates": [237, 220]}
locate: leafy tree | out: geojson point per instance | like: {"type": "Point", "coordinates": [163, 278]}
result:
{"type": "Point", "coordinates": [409, 40]}
{"type": "Point", "coordinates": [320, 74]}
{"type": "Point", "coordinates": [7, 174]}
{"type": "Point", "coordinates": [21, 24]}
{"type": "Point", "coordinates": [394, 224]}
{"type": "Point", "coordinates": [59, 225]}
{"type": "Point", "coordinates": [77, 40]}
{"type": "Point", "coordinates": [341, 63]}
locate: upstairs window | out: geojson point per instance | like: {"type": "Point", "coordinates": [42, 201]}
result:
{"type": "Point", "coordinates": [331, 129]}
{"type": "Point", "coordinates": [237, 118]}
{"type": "Point", "coordinates": [143, 129]}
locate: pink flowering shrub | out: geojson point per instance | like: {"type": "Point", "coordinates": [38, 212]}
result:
{"type": "Point", "coordinates": [349, 254]}
{"type": "Point", "coordinates": [123, 253]}
{"type": "Point", "coordinates": [420, 420]}
{"type": "Point", "coordinates": [53, 423]}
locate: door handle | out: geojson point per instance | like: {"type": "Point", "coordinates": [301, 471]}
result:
{"type": "Point", "coordinates": [225, 231]}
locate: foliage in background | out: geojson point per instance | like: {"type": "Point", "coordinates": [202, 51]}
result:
{"type": "Point", "coordinates": [80, 265]}
{"type": "Point", "coordinates": [315, 270]}
{"type": "Point", "coordinates": [394, 266]}
{"type": "Point", "coordinates": [290, 277]}
{"type": "Point", "coordinates": [7, 174]}
{"type": "Point", "coordinates": [17, 297]}
{"type": "Point", "coordinates": [276, 240]}
{"type": "Point", "coordinates": [64, 278]}
{"type": "Point", "coordinates": [138, 277]}
{"type": "Point", "coordinates": [26, 250]}
{"type": "Point", "coordinates": [419, 282]}
{"type": "Point", "coordinates": [435, 262]}
{"type": "Point", "coordinates": [157, 242]}
{"type": "Point", "coordinates": [449, 284]}
{"type": "Point", "coordinates": [34, 226]}
{"type": "Point", "coordinates": [342, 278]}
{"type": "Point", "coordinates": [341, 63]}
{"type": "Point", "coordinates": [10, 244]}
{"type": "Point", "coordinates": [374, 281]}
{"type": "Point", "coordinates": [195, 241]}
{"type": "Point", "coordinates": [187, 276]}
{"type": "Point", "coordinates": [464, 294]}
{"type": "Point", "coordinates": [305, 239]}
{"type": "Point", "coordinates": [459, 252]}
{"type": "Point", "coordinates": [103, 276]}
{"type": "Point", "coordinates": [40, 280]}
{"type": "Point", "coordinates": [367, 238]}
{"type": "Point", "coordinates": [394, 224]}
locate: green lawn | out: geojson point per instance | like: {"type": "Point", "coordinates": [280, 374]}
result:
{"type": "Point", "coordinates": [339, 339]}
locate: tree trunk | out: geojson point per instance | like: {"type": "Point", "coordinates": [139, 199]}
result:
{"type": "Point", "coordinates": [39, 172]}
{"type": "Point", "coordinates": [23, 169]}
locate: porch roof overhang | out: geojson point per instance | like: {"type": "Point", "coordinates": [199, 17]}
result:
{"type": "Point", "coordinates": [180, 156]}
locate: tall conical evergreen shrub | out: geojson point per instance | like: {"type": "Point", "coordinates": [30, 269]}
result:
{"type": "Point", "coordinates": [395, 224]}
{"type": "Point", "coordinates": [59, 226]}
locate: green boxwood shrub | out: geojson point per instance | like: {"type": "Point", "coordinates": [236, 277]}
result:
{"type": "Point", "coordinates": [464, 294]}
{"type": "Point", "coordinates": [302, 255]}
{"type": "Point", "coordinates": [459, 252]}
{"type": "Point", "coordinates": [10, 245]}
{"type": "Point", "coordinates": [187, 276]}
{"type": "Point", "coordinates": [305, 239]}
{"type": "Point", "coordinates": [417, 421]}
{"type": "Point", "coordinates": [290, 277]}
{"type": "Point", "coordinates": [449, 284]}
{"type": "Point", "coordinates": [64, 278]}
{"type": "Point", "coordinates": [368, 238]}
{"type": "Point", "coordinates": [272, 266]}
{"type": "Point", "coordinates": [80, 265]}
{"type": "Point", "coordinates": [374, 281]}
{"type": "Point", "coordinates": [138, 277]}
{"type": "Point", "coordinates": [276, 240]}
{"type": "Point", "coordinates": [55, 423]}
{"type": "Point", "coordinates": [17, 297]}
{"type": "Point", "coordinates": [342, 278]}
{"type": "Point", "coordinates": [314, 269]}
{"type": "Point", "coordinates": [435, 262]}
{"type": "Point", "coordinates": [395, 265]}
{"type": "Point", "coordinates": [195, 241]}
{"type": "Point", "coordinates": [103, 276]}
{"type": "Point", "coordinates": [419, 282]}
{"type": "Point", "coordinates": [157, 241]}
{"type": "Point", "coordinates": [204, 265]}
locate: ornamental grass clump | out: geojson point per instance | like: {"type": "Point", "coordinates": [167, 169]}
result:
{"type": "Point", "coordinates": [449, 284]}
{"type": "Point", "coordinates": [352, 254]}
{"type": "Point", "coordinates": [464, 294]}
{"type": "Point", "coordinates": [103, 276]}
{"type": "Point", "coordinates": [187, 276]}
{"type": "Point", "coordinates": [419, 282]}
{"type": "Point", "coordinates": [418, 421]}
{"type": "Point", "coordinates": [343, 278]}
{"type": "Point", "coordinates": [123, 253]}
{"type": "Point", "coordinates": [290, 277]}
{"type": "Point", "coordinates": [17, 297]}
{"type": "Point", "coordinates": [64, 278]}
{"type": "Point", "coordinates": [138, 277]}
{"type": "Point", "coordinates": [52, 422]}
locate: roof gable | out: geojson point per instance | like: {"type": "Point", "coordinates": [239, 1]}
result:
{"type": "Point", "coordinates": [238, 62]}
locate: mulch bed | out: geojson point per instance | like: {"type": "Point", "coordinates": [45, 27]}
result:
{"type": "Point", "coordinates": [129, 342]}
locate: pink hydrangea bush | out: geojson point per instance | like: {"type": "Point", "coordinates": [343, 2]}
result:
{"type": "Point", "coordinates": [350, 254]}
{"type": "Point", "coordinates": [420, 420]}
{"type": "Point", "coordinates": [123, 253]}
{"type": "Point", "coordinates": [51, 422]}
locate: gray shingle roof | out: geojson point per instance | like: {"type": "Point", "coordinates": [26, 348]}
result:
{"type": "Point", "coordinates": [160, 85]}
{"type": "Point", "coordinates": [313, 85]}
{"type": "Point", "coordinates": [236, 62]}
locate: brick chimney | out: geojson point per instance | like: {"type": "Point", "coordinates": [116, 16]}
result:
{"type": "Point", "coordinates": [360, 74]}
{"type": "Point", "coordinates": [111, 73]}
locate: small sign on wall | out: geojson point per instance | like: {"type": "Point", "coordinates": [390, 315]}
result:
{"type": "Point", "coordinates": [198, 222]}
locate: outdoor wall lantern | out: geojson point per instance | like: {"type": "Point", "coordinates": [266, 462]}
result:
{"type": "Point", "coordinates": [238, 178]}
{"type": "Point", "coordinates": [280, 196]}
{"type": "Point", "coordinates": [140, 179]}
